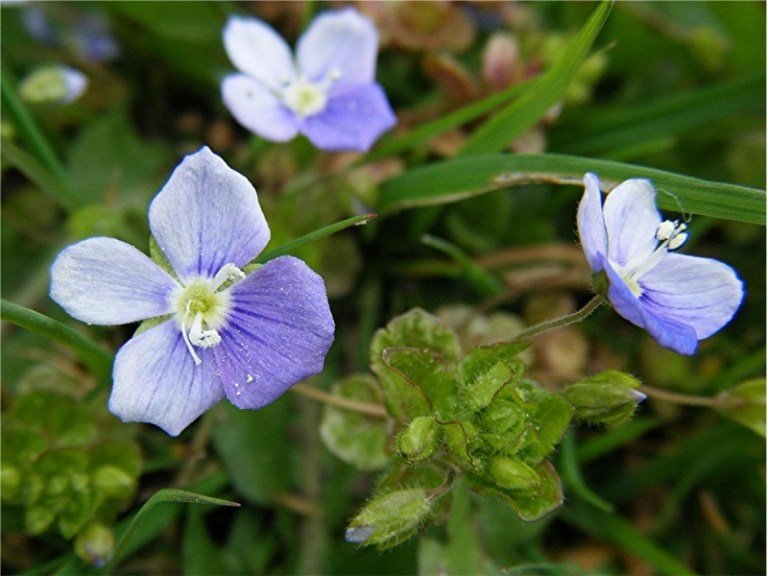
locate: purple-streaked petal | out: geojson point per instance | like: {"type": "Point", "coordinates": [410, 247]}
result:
{"type": "Point", "coordinates": [207, 215]}
{"type": "Point", "coordinates": [669, 333]}
{"type": "Point", "coordinates": [594, 241]}
{"type": "Point", "coordinates": [631, 219]}
{"type": "Point", "coordinates": [257, 50]}
{"type": "Point", "coordinates": [155, 380]}
{"type": "Point", "coordinates": [106, 281]}
{"type": "Point", "coordinates": [342, 43]}
{"type": "Point", "coordinates": [666, 331]}
{"type": "Point", "coordinates": [623, 301]}
{"type": "Point", "coordinates": [258, 109]}
{"type": "Point", "coordinates": [278, 332]}
{"type": "Point", "coordinates": [699, 292]}
{"type": "Point", "coordinates": [351, 121]}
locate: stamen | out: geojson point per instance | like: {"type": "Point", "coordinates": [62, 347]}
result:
{"type": "Point", "coordinates": [192, 352]}
{"type": "Point", "coordinates": [200, 337]}
{"type": "Point", "coordinates": [225, 274]}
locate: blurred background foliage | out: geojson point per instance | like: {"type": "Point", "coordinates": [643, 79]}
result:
{"type": "Point", "coordinates": [678, 86]}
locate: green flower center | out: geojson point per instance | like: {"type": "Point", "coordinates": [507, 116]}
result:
{"type": "Point", "coordinates": [201, 308]}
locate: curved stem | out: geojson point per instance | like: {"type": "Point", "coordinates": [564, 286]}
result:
{"type": "Point", "coordinates": [677, 398]}
{"type": "Point", "coordinates": [555, 323]}
{"type": "Point", "coordinates": [373, 410]}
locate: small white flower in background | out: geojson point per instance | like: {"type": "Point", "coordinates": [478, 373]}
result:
{"type": "Point", "coordinates": [53, 84]}
{"type": "Point", "coordinates": [679, 299]}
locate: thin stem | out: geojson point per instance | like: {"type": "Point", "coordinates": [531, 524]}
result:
{"type": "Point", "coordinates": [373, 410]}
{"type": "Point", "coordinates": [555, 323]}
{"type": "Point", "coordinates": [677, 398]}
{"type": "Point", "coordinates": [96, 358]}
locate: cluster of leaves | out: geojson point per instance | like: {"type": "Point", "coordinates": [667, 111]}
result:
{"type": "Point", "coordinates": [473, 414]}
{"type": "Point", "coordinates": [63, 470]}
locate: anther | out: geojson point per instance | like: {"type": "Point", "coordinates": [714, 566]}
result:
{"type": "Point", "coordinates": [225, 274]}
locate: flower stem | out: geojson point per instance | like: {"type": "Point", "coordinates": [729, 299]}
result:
{"type": "Point", "coordinates": [96, 358]}
{"type": "Point", "coordinates": [373, 410]}
{"type": "Point", "coordinates": [677, 398]}
{"type": "Point", "coordinates": [555, 323]}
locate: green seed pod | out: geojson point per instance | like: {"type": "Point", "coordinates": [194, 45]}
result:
{"type": "Point", "coordinates": [608, 398]}
{"type": "Point", "coordinates": [513, 474]}
{"type": "Point", "coordinates": [419, 440]}
{"type": "Point", "coordinates": [390, 519]}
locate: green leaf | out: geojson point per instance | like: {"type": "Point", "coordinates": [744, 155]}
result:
{"type": "Point", "coordinates": [746, 404]}
{"type": "Point", "coordinates": [259, 470]}
{"type": "Point", "coordinates": [606, 132]}
{"type": "Point", "coordinates": [96, 358]}
{"type": "Point", "coordinates": [396, 144]}
{"type": "Point", "coordinates": [314, 235]}
{"type": "Point", "coordinates": [354, 438]}
{"type": "Point", "coordinates": [542, 94]}
{"type": "Point", "coordinates": [487, 369]}
{"type": "Point", "coordinates": [159, 497]}
{"type": "Point", "coordinates": [458, 179]}
{"type": "Point", "coordinates": [423, 334]}
{"type": "Point", "coordinates": [549, 420]}
{"type": "Point", "coordinates": [57, 416]}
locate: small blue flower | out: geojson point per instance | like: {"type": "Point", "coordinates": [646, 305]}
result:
{"type": "Point", "coordinates": [679, 299]}
{"type": "Point", "coordinates": [221, 333]}
{"type": "Point", "coordinates": [328, 93]}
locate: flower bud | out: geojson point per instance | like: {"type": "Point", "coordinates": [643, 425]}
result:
{"type": "Point", "coordinates": [502, 427]}
{"type": "Point", "coordinates": [56, 84]}
{"type": "Point", "coordinates": [419, 440]}
{"type": "Point", "coordinates": [513, 474]}
{"type": "Point", "coordinates": [95, 544]}
{"type": "Point", "coordinates": [608, 398]}
{"type": "Point", "coordinates": [390, 519]}
{"type": "Point", "coordinates": [113, 481]}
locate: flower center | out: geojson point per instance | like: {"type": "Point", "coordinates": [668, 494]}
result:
{"type": "Point", "coordinates": [201, 308]}
{"type": "Point", "coordinates": [671, 236]}
{"type": "Point", "coordinates": [307, 98]}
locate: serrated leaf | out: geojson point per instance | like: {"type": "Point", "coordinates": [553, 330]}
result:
{"type": "Point", "coordinates": [746, 404]}
{"type": "Point", "coordinates": [355, 438]}
{"type": "Point", "coordinates": [414, 330]}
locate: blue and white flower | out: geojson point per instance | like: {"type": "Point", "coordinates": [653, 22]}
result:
{"type": "Point", "coordinates": [679, 299]}
{"type": "Point", "coordinates": [219, 332]}
{"type": "Point", "coordinates": [328, 92]}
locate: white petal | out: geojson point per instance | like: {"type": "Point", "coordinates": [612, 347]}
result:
{"type": "Point", "coordinates": [345, 42]}
{"type": "Point", "coordinates": [106, 281]}
{"type": "Point", "coordinates": [258, 109]}
{"type": "Point", "coordinates": [207, 215]}
{"type": "Point", "coordinates": [155, 380]}
{"type": "Point", "coordinates": [700, 292]}
{"type": "Point", "coordinates": [631, 220]}
{"type": "Point", "coordinates": [256, 49]}
{"type": "Point", "coordinates": [590, 221]}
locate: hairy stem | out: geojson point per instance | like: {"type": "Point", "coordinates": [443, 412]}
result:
{"type": "Point", "coordinates": [555, 323]}
{"type": "Point", "coordinates": [677, 398]}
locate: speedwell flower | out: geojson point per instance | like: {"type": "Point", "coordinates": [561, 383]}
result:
{"type": "Point", "coordinates": [328, 93]}
{"type": "Point", "coordinates": [218, 332]}
{"type": "Point", "coordinates": [679, 299]}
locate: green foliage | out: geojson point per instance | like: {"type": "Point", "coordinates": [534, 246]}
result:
{"type": "Point", "coordinates": [745, 403]}
{"type": "Point", "coordinates": [62, 469]}
{"type": "Point", "coordinates": [608, 398]}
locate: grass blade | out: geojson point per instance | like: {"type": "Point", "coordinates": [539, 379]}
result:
{"type": "Point", "coordinates": [542, 94]}
{"type": "Point", "coordinates": [462, 178]}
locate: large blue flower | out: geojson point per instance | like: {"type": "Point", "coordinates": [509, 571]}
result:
{"type": "Point", "coordinates": [679, 299]}
{"type": "Point", "coordinates": [328, 93]}
{"type": "Point", "coordinates": [221, 333]}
